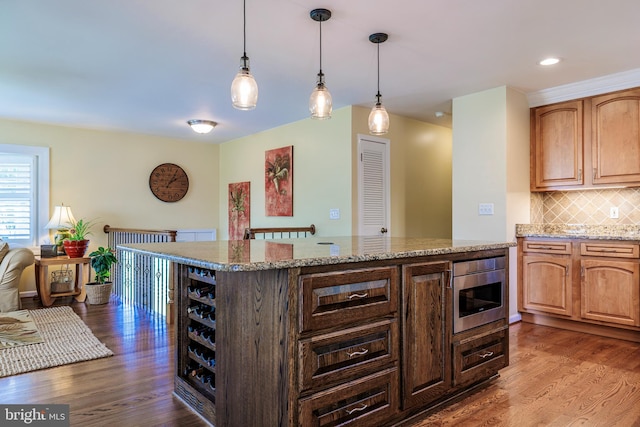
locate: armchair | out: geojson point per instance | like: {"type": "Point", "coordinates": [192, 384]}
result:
{"type": "Point", "coordinates": [11, 267]}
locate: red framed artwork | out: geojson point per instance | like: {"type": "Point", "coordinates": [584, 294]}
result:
{"type": "Point", "coordinates": [278, 181]}
{"type": "Point", "coordinates": [239, 209]}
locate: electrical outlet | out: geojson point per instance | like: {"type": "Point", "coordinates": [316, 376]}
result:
{"type": "Point", "coordinates": [485, 209]}
{"type": "Point", "coordinates": [613, 212]}
{"type": "Point", "coordinates": [334, 213]}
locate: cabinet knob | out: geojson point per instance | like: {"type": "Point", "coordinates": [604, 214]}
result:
{"type": "Point", "coordinates": [383, 230]}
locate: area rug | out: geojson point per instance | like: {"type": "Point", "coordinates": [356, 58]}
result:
{"type": "Point", "coordinates": [18, 328]}
{"type": "Point", "coordinates": [66, 339]}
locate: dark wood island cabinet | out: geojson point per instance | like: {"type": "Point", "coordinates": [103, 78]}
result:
{"type": "Point", "coordinates": [298, 332]}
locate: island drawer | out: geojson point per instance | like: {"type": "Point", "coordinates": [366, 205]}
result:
{"type": "Point", "coordinates": [368, 401]}
{"type": "Point", "coordinates": [610, 250]}
{"type": "Point", "coordinates": [478, 357]}
{"type": "Point", "coordinates": [341, 298]}
{"type": "Point", "coordinates": [547, 246]}
{"type": "Point", "coordinates": [347, 354]}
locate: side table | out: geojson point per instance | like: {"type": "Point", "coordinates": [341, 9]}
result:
{"type": "Point", "coordinates": [43, 284]}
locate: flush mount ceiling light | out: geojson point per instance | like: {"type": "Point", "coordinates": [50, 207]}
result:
{"type": "Point", "coordinates": [549, 61]}
{"type": "Point", "coordinates": [244, 89]}
{"type": "Point", "coordinates": [378, 118]}
{"type": "Point", "coordinates": [320, 102]}
{"type": "Point", "coordinates": [202, 126]}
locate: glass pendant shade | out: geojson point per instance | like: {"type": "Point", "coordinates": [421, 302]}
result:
{"type": "Point", "coordinates": [244, 89]}
{"type": "Point", "coordinates": [378, 120]}
{"type": "Point", "coordinates": [320, 102]}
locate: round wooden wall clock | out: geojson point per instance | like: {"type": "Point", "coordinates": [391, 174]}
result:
{"type": "Point", "coordinates": [169, 182]}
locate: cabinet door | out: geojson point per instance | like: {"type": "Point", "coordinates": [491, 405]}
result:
{"type": "Point", "coordinates": [557, 146]}
{"type": "Point", "coordinates": [615, 122]}
{"type": "Point", "coordinates": [427, 329]}
{"type": "Point", "coordinates": [610, 291]}
{"type": "Point", "coordinates": [546, 284]}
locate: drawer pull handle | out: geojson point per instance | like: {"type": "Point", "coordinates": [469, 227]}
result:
{"type": "Point", "coordinates": [366, 294]}
{"type": "Point", "coordinates": [487, 354]}
{"type": "Point", "coordinates": [361, 408]}
{"type": "Point", "coordinates": [362, 352]}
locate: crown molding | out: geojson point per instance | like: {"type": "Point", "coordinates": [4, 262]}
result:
{"type": "Point", "coordinates": [585, 88]}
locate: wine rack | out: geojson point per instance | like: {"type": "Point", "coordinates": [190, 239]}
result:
{"type": "Point", "coordinates": [196, 338]}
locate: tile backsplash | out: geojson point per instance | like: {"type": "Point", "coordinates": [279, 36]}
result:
{"type": "Point", "coordinates": [586, 207]}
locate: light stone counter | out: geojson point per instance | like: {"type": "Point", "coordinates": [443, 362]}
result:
{"type": "Point", "coordinates": [579, 231]}
{"type": "Point", "coordinates": [251, 255]}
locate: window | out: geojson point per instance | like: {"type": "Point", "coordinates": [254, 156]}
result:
{"type": "Point", "coordinates": [24, 194]}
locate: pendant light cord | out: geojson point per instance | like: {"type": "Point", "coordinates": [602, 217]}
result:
{"type": "Point", "coordinates": [320, 47]}
{"type": "Point", "coordinates": [244, 33]}
{"type": "Point", "coordinates": [378, 95]}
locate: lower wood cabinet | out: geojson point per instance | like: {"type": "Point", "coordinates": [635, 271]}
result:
{"type": "Point", "coordinates": [362, 344]}
{"type": "Point", "coordinates": [335, 357]}
{"type": "Point", "coordinates": [547, 283]}
{"type": "Point", "coordinates": [592, 286]}
{"type": "Point", "coordinates": [426, 311]}
{"type": "Point", "coordinates": [480, 356]}
{"type": "Point", "coordinates": [366, 402]}
{"type": "Point", "coordinates": [610, 291]}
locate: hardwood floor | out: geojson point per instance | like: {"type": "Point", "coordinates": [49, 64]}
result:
{"type": "Point", "coordinates": [555, 378]}
{"type": "Point", "coordinates": [132, 388]}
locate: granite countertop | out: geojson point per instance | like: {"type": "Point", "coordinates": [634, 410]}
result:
{"type": "Point", "coordinates": [580, 231]}
{"type": "Point", "coordinates": [249, 255]}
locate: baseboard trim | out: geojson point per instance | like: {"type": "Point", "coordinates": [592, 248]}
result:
{"type": "Point", "coordinates": [28, 294]}
{"type": "Point", "coordinates": [577, 326]}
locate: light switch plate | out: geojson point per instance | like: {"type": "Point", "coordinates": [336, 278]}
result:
{"type": "Point", "coordinates": [485, 209]}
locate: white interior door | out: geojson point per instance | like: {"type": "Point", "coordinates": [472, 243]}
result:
{"type": "Point", "coordinates": [373, 186]}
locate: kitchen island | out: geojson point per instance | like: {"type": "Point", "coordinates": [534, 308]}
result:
{"type": "Point", "coordinates": [326, 331]}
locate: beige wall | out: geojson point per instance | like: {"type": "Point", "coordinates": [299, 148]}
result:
{"type": "Point", "coordinates": [420, 175]}
{"type": "Point", "coordinates": [491, 165]}
{"type": "Point", "coordinates": [325, 170]}
{"type": "Point", "coordinates": [321, 169]}
{"type": "Point", "coordinates": [104, 176]}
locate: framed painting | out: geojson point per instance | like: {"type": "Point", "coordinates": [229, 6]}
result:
{"type": "Point", "coordinates": [239, 209]}
{"type": "Point", "coordinates": [278, 181]}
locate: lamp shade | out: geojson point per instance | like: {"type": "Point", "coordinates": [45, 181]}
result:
{"type": "Point", "coordinates": [62, 218]}
{"type": "Point", "coordinates": [320, 103]}
{"type": "Point", "coordinates": [244, 90]}
{"type": "Point", "coordinates": [378, 120]}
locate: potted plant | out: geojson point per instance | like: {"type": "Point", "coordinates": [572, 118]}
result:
{"type": "Point", "coordinates": [102, 259]}
{"type": "Point", "coordinates": [76, 244]}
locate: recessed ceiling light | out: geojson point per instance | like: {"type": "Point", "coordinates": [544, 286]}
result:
{"type": "Point", "coordinates": [549, 61]}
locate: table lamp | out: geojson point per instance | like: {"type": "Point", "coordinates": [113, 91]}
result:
{"type": "Point", "coordinates": [61, 221]}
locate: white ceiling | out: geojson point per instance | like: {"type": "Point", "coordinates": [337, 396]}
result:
{"type": "Point", "coordinates": [147, 66]}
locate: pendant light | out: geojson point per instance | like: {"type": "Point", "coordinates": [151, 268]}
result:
{"type": "Point", "coordinates": [320, 103]}
{"type": "Point", "coordinates": [244, 89]}
{"type": "Point", "coordinates": [378, 118]}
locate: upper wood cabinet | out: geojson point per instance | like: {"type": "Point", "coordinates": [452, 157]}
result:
{"type": "Point", "coordinates": [557, 145]}
{"type": "Point", "coordinates": [587, 143]}
{"type": "Point", "coordinates": [615, 137]}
